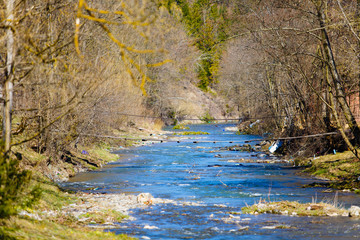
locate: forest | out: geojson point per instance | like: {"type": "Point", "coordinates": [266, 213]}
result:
{"type": "Point", "coordinates": [73, 72]}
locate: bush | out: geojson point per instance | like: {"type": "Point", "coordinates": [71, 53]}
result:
{"type": "Point", "coordinates": [207, 118]}
{"type": "Point", "coordinates": [181, 127]}
{"type": "Point", "coordinates": [14, 183]}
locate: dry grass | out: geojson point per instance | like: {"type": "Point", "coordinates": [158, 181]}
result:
{"type": "Point", "coordinates": [295, 208]}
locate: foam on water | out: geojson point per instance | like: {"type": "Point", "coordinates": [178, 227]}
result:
{"type": "Point", "coordinates": [188, 172]}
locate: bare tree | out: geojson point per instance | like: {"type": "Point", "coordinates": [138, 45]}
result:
{"type": "Point", "coordinates": [7, 85]}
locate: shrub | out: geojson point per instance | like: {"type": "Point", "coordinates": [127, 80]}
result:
{"type": "Point", "coordinates": [207, 118]}
{"type": "Point", "coordinates": [14, 183]}
{"type": "Point", "coordinates": [181, 127]}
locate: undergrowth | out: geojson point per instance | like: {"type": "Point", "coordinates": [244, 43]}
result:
{"type": "Point", "coordinates": [31, 204]}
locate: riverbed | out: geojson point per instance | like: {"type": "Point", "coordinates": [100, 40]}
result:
{"type": "Point", "coordinates": [208, 186]}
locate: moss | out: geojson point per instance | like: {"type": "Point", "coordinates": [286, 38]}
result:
{"type": "Point", "coordinates": [320, 172]}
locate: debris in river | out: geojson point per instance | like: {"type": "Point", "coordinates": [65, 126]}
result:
{"type": "Point", "coordinates": [232, 129]}
{"type": "Point", "coordinates": [275, 146]}
{"type": "Point", "coordinates": [239, 148]}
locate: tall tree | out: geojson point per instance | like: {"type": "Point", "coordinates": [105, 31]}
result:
{"type": "Point", "coordinates": [9, 73]}
{"type": "Point", "coordinates": [321, 7]}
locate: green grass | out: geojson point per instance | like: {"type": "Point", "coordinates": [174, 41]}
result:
{"type": "Point", "coordinates": [102, 152]}
{"type": "Point", "coordinates": [341, 168]}
{"type": "Point", "coordinates": [181, 127]}
{"type": "Point", "coordinates": [335, 167]}
{"type": "Point", "coordinates": [19, 228]}
{"type": "Point", "coordinates": [60, 226]}
{"type": "Point", "coordinates": [53, 198]}
{"type": "Point", "coordinates": [101, 217]}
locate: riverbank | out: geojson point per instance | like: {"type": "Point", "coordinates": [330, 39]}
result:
{"type": "Point", "coordinates": [61, 214]}
{"type": "Point", "coordinates": [71, 214]}
{"type": "Point", "coordinates": [58, 215]}
{"type": "Point", "coordinates": [76, 216]}
{"type": "Point", "coordinates": [341, 170]}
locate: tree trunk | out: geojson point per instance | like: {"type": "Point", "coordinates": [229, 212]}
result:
{"type": "Point", "coordinates": [336, 115]}
{"type": "Point", "coordinates": [357, 20]}
{"type": "Point", "coordinates": [330, 60]}
{"type": "Point", "coordinates": [9, 74]}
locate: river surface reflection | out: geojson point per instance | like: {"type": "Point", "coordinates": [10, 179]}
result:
{"type": "Point", "coordinates": [203, 173]}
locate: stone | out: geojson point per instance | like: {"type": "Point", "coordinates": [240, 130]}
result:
{"type": "Point", "coordinates": [354, 211]}
{"type": "Point", "coordinates": [232, 129]}
{"type": "Point", "coordinates": [286, 212]}
{"type": "Point", "coordinates": [215, 229]}
{"type": "Point", "coordinates": [345, 214]}
{"type": "Point", "coordinates": [150, 227]}
{"type": "Point", "coordinates": [332, 214]}
{"type": "Point", "coordinates": [242, 228]}
{"type": "Point", "coordinates": [235, 217]}
{"type": "Point", "coordinates": [145, 198]}
{"type": "Point", "coordinates": [269, 227]}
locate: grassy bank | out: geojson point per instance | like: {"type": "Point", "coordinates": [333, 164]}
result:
{"type": "Point", "coordinates": [47, 218]}
{"type": "Point", "coordinates": [342, 169]}
{"type": "Point", "coordinates": [22, 228]}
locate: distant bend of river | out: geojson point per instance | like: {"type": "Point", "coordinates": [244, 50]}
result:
{"type": "Point", "coordinates": [205, 174]}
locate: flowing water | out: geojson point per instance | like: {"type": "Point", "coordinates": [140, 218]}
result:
{"type": "Point", "coordinates": [202, 173]}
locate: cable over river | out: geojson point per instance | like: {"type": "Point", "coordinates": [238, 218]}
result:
{"type": "Point", "coordinates": [210, 186]}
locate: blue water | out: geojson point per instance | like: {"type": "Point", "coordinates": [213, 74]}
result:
{"type": "Point", "coordinates": [202, 173]}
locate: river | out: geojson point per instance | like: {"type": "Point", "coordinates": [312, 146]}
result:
{"type": "Point", "coordinates": [218, 187]}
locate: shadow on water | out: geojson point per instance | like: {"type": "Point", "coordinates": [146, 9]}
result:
{"type": "Point", "coordinates": [189, 172]}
